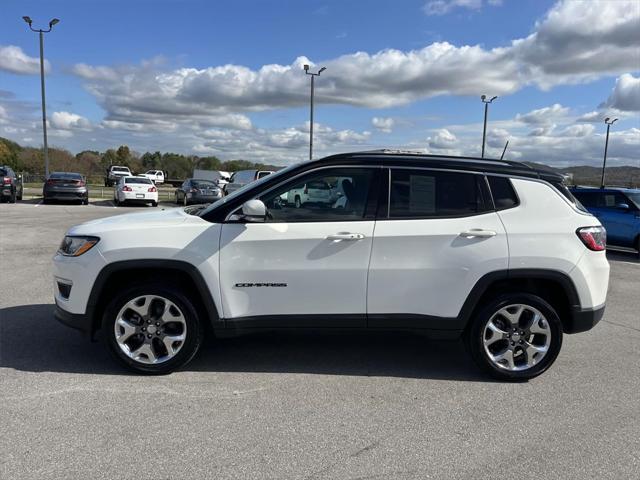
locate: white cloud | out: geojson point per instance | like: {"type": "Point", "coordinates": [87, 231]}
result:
{"type": "Point", "coordinates": [442, 7]}
{"type": "Point", "coordinates": [383, 124]}
{"type": "Point", "coordinates": [543, 116]}
{"type": "Point", "coordinates": [69, 121]}
{"type": "Point", "coordinates": [579, 130]}
{"type": "Point", "coordinates": [443, 139]}
{"type": "Point", "coordinates": [14, 60]}
{"type": "Point", "coordinates": [626, 94]}
{"type": "Point", "coordinates": [574, 42]}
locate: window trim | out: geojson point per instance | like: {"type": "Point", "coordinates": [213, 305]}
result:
{"type": "Point", "coordinates": [485, 195]}
{"type": "Point", "coordinates": [370, 212]}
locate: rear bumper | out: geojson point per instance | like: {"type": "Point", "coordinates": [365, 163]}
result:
{"type": "Point", "coordinates": [76, 321]}
{"type": "Point", "coordinates": [79, 194]}
{"type": "Point", "coordinates": [583, 319]}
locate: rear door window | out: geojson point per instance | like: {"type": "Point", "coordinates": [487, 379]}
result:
{"type": "Point", "coordinates": [427, 194]}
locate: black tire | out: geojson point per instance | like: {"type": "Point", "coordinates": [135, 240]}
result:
{"type": "Point", "coordinates": [85, 201]}
{"type": "Point", "coordinates": [194, 327]}
{"type": "Point", "coordinates": [474, 336]}
{"type": "Point", "coordinates": [21, 193]}
{"type": "Point", "coordinates": [154, 204]}
{"type": "Point", "coordinates": [12, 198]}
{"type": "Point", "coordinates": [177, 201]}
{"type": "Point", "coordinates": [185, 202]}
{"type": "Point", "coordinates": [297, 202]}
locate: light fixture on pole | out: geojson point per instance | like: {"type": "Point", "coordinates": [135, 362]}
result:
{"type": "Point", "coordinates": [41, 33]}
{"type": "Point", "coordinates": [608, 122]}
{"type": "Point", "coordinates": [484, 129]}
{"type": "Point", "coordinates": [313, 76]}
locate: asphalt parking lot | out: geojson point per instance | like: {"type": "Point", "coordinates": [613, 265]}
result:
{"type": "Point", "coordinates": [301, 406]}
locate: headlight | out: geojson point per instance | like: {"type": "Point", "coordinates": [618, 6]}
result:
{"type": "Point", "coordinates": [76, 246]}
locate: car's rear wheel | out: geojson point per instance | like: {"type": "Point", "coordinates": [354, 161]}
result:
{"type": "Point", "coordinates": [21, 193]}
{"type": "Point", "coordinates": [185, 202]}
{"type": "Point", "coordinates": [177, 201]}
{"type": "Point", "coordinates": [152, 329]}
{"type": "Point", "coordinates": [12, 198]}
{"type": "Point", "coordinates": [154, 204]}
{"type": "Point", "coordinates": [515, 336]}
{"type": "Point", "coordinates": [297, 202]}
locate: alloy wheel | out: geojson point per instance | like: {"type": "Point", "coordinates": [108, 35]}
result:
{"type": "Point", "coordinates": [516, 337]}
{"type": "Point", "coordinates": [150, 329]}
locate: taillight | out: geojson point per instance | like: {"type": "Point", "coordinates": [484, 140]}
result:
{"type": "Point", "coordinates": [50, 182]}
{"type": "Point", "coordinates": [594, 238]}
{"type": "Point", "coordinates": [152, 189]}
{"type": "Point", "coordinates": [127, 189]}
{"type": "Point", "coordinates": [80, 183]}
{"type": "Point", "coordinates": [6, 180]}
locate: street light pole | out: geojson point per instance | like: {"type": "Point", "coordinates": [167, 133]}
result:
{"type": "Point", "coordinates": [608, 122]}
{"type": "Point", "coordinates": [313, 76]}
{"type": "Point", "coordinates": [41, 33]}
{"type": "Point", "coordinates": [484, 129]}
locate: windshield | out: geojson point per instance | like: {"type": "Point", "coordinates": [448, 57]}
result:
{"type": "Point", "coordinates": [273, 177]}
{"type": "Point", "coordinates": [634, 197]}
{"type": "Point", "coordinates": [137, 180]}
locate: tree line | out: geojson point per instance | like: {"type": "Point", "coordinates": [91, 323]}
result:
{"type": "Point", "coordinates": [93, 164]}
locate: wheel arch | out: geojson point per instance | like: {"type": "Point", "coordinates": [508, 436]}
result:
{"type": "Point", "coordinates": [555, 287]}
{"type": "Point", "coordinates": [116, 274]}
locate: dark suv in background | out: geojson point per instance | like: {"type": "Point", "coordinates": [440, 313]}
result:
{"type": "Point", "coordinates": [618, 209]}
{"type": "Point", "coordinates": [10, 184]}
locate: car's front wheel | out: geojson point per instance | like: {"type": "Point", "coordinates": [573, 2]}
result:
{"type": "Point", "coordinates": [515, 336]}
{"type": "Point", "coordinates": [152, 329]}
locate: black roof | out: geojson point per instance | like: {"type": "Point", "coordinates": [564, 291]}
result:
{"type": "Point", "coordinates": [407, 158]}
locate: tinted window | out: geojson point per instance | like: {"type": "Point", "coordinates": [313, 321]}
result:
{"type": "Point", "coordinates": [611, 199]}
{"type": "Point", "coordinates": [137, 180]}
{"type": "Point", "coordinates": [203, 184]}
{"type": "Point", "coordinates": [504, 196]}
{"type": "Point", "coordinates": [66, 176]}
{"type": "Point", "coordinates": [120, 169]}
{"type": "Point", "coordinates": [588, 199]}
{"type": "Point", "coordinates": [419, 193]}
{"type": "Point", "coordinates": [288, 204]}
{"type": "Point", "coordinates": [3, 171]}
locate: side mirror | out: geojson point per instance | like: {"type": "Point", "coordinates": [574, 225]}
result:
{"type": "Point", "coordinates": [254, 211]}
{"type": "Point", "coordinates": [623, 206]}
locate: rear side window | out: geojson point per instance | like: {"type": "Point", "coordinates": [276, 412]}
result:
{"type": "Point", "coordinates": [564, 190]}
{"type": "Point", "coordinates": [504, 196]}
{"type": "Point", "coordinates": [3, 171]}
{"type": "Point", "coordinates": [423, 193]}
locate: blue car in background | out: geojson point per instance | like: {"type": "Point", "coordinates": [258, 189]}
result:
{"type": "Point", "coordinates": [618, 209]}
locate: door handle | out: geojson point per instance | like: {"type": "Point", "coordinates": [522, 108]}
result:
{"type": "Point", "coordinates": [478, 233]}
{"type": "Point", "coordinates": [345, 236]}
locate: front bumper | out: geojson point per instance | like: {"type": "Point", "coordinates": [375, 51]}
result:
{"type": "Point", "coordinates": [582, 320]}
{"type": "Point", "coordinates": [76, 321]}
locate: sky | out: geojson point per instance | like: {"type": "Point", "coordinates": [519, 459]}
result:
{"type": "Point", "coordinates": [226, 78]}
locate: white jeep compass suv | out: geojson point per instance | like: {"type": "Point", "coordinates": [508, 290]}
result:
{"type": "Point", "coordinates": [492, 251]}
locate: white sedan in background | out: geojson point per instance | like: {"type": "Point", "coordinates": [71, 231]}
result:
{"type": "Point", "coordinates": [135, 190]}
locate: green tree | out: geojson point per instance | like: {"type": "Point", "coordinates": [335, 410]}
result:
{"type": "Point", "coordinates": [123, 155]}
